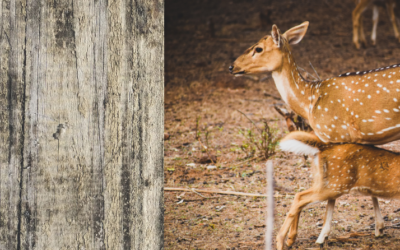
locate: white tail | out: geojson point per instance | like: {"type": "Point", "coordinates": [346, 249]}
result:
{"type": "Point", "coordinates": [359, 107]}
{"type": "Point", "coordinates": [358, 30]}
{"type": "Point", "coordinates": [338, 169]}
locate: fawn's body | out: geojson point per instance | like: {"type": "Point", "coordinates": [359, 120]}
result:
{"type": "Point", "coordinates": [359, 107]}
{"type": "Point", "coordinates": [338, 169]}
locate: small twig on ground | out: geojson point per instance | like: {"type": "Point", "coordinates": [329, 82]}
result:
{"type": "Point", "coordinates": [199, 194]}
{"type": "Point", "coordinates": [281, 188]}
{"type": "Point", "coordinates": [250, 120]}
{"type": "Point", "coordinates": [265, 78]}
{"type": "Point", "coordinates": [275, 97]}
{"type": "Point", "coordinates": [240, 163]}
{"type": "Point", "coordinates": [217, 192]}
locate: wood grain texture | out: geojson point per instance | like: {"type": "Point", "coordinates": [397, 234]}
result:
{"type": "Point", "coordinates": [81, 132]}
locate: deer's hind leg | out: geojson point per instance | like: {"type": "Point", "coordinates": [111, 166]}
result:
{"type": "Point", "coordinates": [327, 223]}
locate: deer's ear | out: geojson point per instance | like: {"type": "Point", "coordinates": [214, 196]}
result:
{"type": "Point", "coordinates": [295, 34]}
{"type": "Point", "coordinates": [276, 35]}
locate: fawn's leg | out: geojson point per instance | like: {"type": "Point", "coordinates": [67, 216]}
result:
{"type": "Point", "coordinates": [301, 200]}
{"type": "Point", "coordinates": [292, 235]}
{"type": "Point", "coordinates": [328, 221]}
{"type": "Point", "coordinates": [379, 222]}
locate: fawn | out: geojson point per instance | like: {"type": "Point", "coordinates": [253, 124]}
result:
{"type": "Point", "coordinates": [358, 30]}
{"type": "Point", "coordinates": [338, 169]}
{"type": "Point", "coordinates": [338, 108]}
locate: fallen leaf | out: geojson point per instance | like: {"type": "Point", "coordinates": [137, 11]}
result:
{"type": "Point", "coordinates": [259, 226]}
{"type": "Point", "coordinates": [219, 208]}
{"type": "Point", "coordinates": [180, 196]}
{"type": "Point", "coordinates": [207, 159]}
{"type": "Point", "coordinates": [166, 136]}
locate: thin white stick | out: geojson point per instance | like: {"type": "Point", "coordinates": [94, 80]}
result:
{"type": "Point", "coordinates": [270, 206]}
{"type": "Point", "coordinates": [215, 191]}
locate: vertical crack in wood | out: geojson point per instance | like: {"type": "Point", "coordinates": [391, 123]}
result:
{"type": "Point", "coordinates": [100, 59]}
{"type": "Point", "coordinates": [15, 138]}
{"type": "Point", "coordinates": [23, 82]}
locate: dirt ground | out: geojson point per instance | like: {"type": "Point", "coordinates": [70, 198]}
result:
{"type": "Point", "coordinates": [214, 146]}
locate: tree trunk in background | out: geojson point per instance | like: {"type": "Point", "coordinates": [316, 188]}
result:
{"type": "Point", "coordinates": [81, 124]}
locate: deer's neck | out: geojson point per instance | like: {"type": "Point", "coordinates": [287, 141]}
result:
{"type": "Point", "coordinates": [295, 91]}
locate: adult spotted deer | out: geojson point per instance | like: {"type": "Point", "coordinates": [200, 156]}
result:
{"type": "Point", "coordinates": [358, 30]}
{"type": "Point", "coordinates": [338, 169]}
{"type": "Point", "coordinates": [359, 107]}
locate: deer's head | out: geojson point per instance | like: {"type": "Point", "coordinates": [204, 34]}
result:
{"type": "Point", "coordinates": [267, 55]}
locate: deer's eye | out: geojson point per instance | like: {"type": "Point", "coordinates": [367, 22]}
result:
{"type": "Point", "coordinates": [259, 50]}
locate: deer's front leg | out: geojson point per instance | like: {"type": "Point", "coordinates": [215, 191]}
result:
{"type": "Point", "coordinates": [301, 200]}
{"type": "Point", "coordinates": [293, 230]}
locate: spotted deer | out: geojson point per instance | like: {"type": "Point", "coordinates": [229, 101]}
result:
{"type": "Point", "coordinates": [358, 29]}
{"type": "Point", "coordinates": [338, 169]}
{"type": "Point", "coordinates": [359, 107]}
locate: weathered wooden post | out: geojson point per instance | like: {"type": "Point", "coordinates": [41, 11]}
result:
{"type": "Point", "coordinates": [81, 124]}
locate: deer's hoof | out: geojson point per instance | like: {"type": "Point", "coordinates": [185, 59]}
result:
{"type": "Point", "coordinates": [290, 241]}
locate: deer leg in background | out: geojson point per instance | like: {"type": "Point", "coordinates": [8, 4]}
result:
{"type": "Point", "coordinates": [327, 223]}
{"type": "Point", "coordinates": [357, 12]}
{"type": "Point", "coordinates": [379, 222]}
{"type": "Point", "coordinates": [363, 40]}
{"type": "Point", "coordinates": [375, 20]}
{"type": "Point", "coordinates": [390, 5]}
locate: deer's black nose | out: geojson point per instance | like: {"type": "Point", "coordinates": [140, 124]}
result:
{"type": "Point", "coordinates": [230, 68]}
